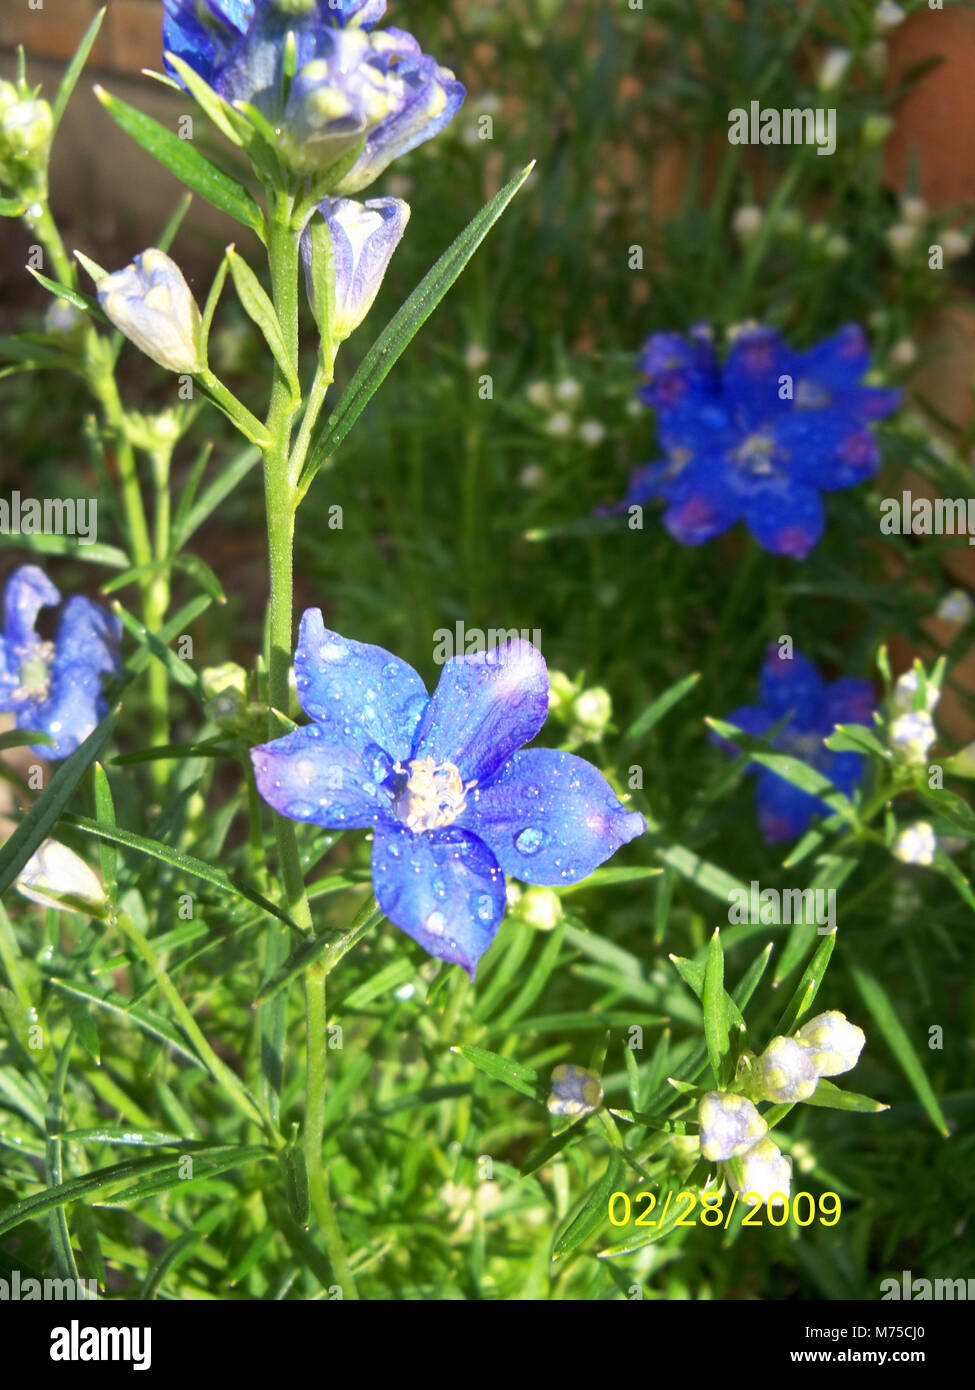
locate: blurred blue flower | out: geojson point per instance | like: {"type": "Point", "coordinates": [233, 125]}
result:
{"type": "Point", "coordinates": [759, 437]}
{"type": "Point", "coordinates": [349, 84]}
{"type": "Point", "coordinates": [55, 687]}
{"type": "Point", "coordinates": [793, 687]}
{"type": "Point", "coordinates": [364, 237]}
{"type": "Point", "coordinates": [453, 803]}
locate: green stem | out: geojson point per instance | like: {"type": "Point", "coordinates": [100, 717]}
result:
{"type": "Point", "coordinates": [45, 227]}
{"type": "Point", "coordinates": [157, 599]}
{"type": "Point", "coordinates": [314, 1128]}
{"type": "Point", "coordinates": [281, 504]}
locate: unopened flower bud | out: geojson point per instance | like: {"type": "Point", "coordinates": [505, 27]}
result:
{"type": "Point", "coordinates": [954, 244]}
{"type": "Point", "coordinates": [887, 15]}
{"type": "Point", "coordinates": [151, 303]}
{"type": "Point", "coordinates": [876, 129]}
{"type": "Point", "coordinates": [364, 237]}
{"type": "Point", "coordinates": [834, 1041]}
{"type": "Point", "coordinates": [575, 1091]}
{"type": "Point", "coordinates": [475, 357]}
{"type": "Point", "coordinates": [26, 128]}
{"type": "Point", "coordinates": [912, 735]}
{"type": "Point", "coordinates": [956, 607]}
{"type": "Point", "coordinates": [54, 876]}
{"type": "Point", "coordinates": [766, 1172]}
{"type": "Point", "coordinates": [592, 433]}
{"type": "Point", "coordinates": [729, 1126]}
{"type": "Point", "coordinates": [876, 58]}
{"type": "Point", "coordinates": [539, 907]}
{"type": "Point", "coordinates": [568, 390]}
{"type": "Point", "coordinates": [901, 237]}
{"type": "Point", "coordinates": [906, 688]}
{"type": "Point", "coordinates": [540, 394]}
{"type": "Point", "coordinates": [785, 1072]}
{"type": "Point", "coordinates": [559, 425]}
{"type": "Point", "coordinates": [833, 68]}
{"type": "Point", "coordinates": [914, 210]}
{"type": "Point", "coordinates": [915, 844]}
{"type": "Point", "coordinates": [746, 223]}
{"type": "Point", "coordinates": [592, 710]}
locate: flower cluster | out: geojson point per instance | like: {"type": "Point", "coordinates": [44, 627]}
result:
{"type": "Point", "coordinates": [55, 687]}
{"type": "Point", "coordinates": [911, 731]}
{"type": "Point", "coordinates": [453, 804]}
{"type": "Point", "coordinates": [758, 437]}
{"type": "Point", "coordinates": [353, 87]}
{"type": "Point", "coordinates": [788, 1071]}
{"type": "Point", "coordinates": [792, 689]}
{"type": "Point", "coordinates": [561, 401]}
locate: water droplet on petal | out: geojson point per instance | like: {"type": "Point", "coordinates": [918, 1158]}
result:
{"type": "Point", "coordinates": [530, 840]}
{"type": "Point", "coordinates": [435, 923]}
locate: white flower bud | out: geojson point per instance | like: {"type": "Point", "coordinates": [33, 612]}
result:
{"type": "Point", "coordinates": [904, 353]}
{"type": "Point", "coordinates": [912, 735]}
{"type": "Point", "coordinates": [729, 1126]}
{"type": "Point", "coordinates": [901, 238]}
{"type": "Point", "coordinates": [876, 58]}
{"type": "Point", "coordinates": [916, 844]}
{"type": "Point", "coordinates": [592, 710]}
{"type": "Point", "coordinates": [766, 1172]}
{"type": "Point", "coordinates": [539, 908]}
{"type": "Point", "coordinates": [559, 425]}
{"type": "Point", "coordinates": [592, 433]}
{"type": "Point", "coordinates": [575, 1091]}
{"type": "Point", "coordinates": [785, 1072]}
{"type": "Point", "coordinates": [914, 210]}
{"type": "Point", "coordinates": [954, 244]}
{"type": "Point", "coordinates": [568, 390]}
{"type": "Point", "coordinates": [833, 68]}
{"type": "Point", "coordinates": [540, 394]}
{"type": "Point", "coordinates": [475, 357]}
{"type": "Point", "coordinates": [906, 688]}
{"type": "Point", "coordinates": [956, 607]}
{"type": "Point", "coordinates": [746, 222]}
{"type": "Point", "coordinates": [151, 303]}
{"type": "Point", "coordinates": [54, 876]}
{"type": "Point", "coordinates": [835, 1043]}
{"type": "Point", "coordinates": [887, 15]}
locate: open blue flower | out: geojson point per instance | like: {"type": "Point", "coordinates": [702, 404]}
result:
{"type": "Point", "coordinates": [350, 84]}
{"type": "Point", "coordinates": [55, 687]}
{"type": "Point", "coordinates": [453, 803]}
{"type": "Point", "coordinates": [793, 687]}
{"type": "Point", "coordinates": [759, 437]}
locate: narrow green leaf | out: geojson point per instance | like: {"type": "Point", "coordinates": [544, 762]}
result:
{"type": "Point", "coordinates": [53, 1173]}
{"type": "Point", "coordinates": [590, 1213]}
{"type": "Point", "coordinates": [793, 770]}
{"type": "Point", "coordinates": [659, 707]}
{"type": "Point", "coordinates": [706, 876]}
{"type": "Point", "coordinates": [228, 121]}
{"type": "Point", "coordinates": [519, 1078]}
{"type": "Point", "coordinates": [333, 948]}
{"type": "Point", "coordinates": [885, 1016]}
{"type": "Point", "coordinates": [74, 68]}
{"type": "Point", "coordinates": [808, 986]}
{"type": "Point", "coordinates": [40, 819]}
{"type": "Point", "coordinates": [713, 1007]}
{"type": "Point", "coordinates": [105, 812]}
{"type": "Point", "coordinates": [833, 1098]}
{"type": "Point", "coordinates": [215, 493]}
{"type": "Point", "coordinates": [295, 1175]}
{"type": "Point", "coordinates": [403, 327]}
{"type": "Point", "coordinates": [178, 859]}
{"type": "Point", "coordinates": [258, 305]}
{"type": "Point", "coordinates": [78, 298]}
{"type": "Point", "coordinates": [182, 159]}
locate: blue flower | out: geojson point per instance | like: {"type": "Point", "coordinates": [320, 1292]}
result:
{"type": "Point", "coordinates": [453, 804]}
{"type": "Point", "coordinates": [364, 237]}
{"type": "Point", "coordinates": [793, 687]}
{"type": "Point", "coordinates": [55, 687]}
{"type": "Point", "coordinates": [349, 84]}
{"type": "Point", "coordinates": [759, 437]}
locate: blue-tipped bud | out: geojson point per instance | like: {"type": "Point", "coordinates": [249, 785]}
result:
{"type": "Point", "coordinates": [835, 1042]}
{"type": "Point", "coordinates": [729, 1126]}
{"type": "Point", "coordinates": [151, 303]}
{"type": "Point", "coordinates": [575, 1091]}
{"type": "Point", "coordinates": [364, 237]}
{"type": "Point", "coordinates": [785, 1072]}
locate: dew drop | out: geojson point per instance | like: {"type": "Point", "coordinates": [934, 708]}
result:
{"type": "Point", "coordinates": [529, 840]}
{"type": "Point", "coordinates": [435, 923]}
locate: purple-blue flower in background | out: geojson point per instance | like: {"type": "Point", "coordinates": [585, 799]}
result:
{"type": "Point", "coordinates": [758, 437]}
{"type": "Point", "coordinates": [55, 687]}
{"type": "Point", "coordinates": [351, 83]}
{"type": "Point", "coordinates": [791, 686]}
{"type": "Point", "coordinates": [454, 799]}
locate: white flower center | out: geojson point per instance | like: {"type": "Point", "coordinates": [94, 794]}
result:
{"type": "Point", "coordinates": [433, 796]}
{"type": "Point", "coordinates": [35, 674]}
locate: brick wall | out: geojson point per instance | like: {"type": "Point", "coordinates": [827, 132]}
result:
{"type": "Point", "coordinates": [129, 37]}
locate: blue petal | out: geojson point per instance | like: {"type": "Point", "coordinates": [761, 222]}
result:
{"type": "Point", "coordinates": [28, 590]}
{"type": "Point", "coordinates": [309, 775]}
{"type": "Point", "coordinates": [702, 503]}
{"type": "Point", "coordinates": [360, 692]}
{"type": "Point", "coordinates": [678, 370]}
{"type": "Point", "coordinates": [751, 719]}
{"type": "Point", "coordinates": [849, 701]}
{"type": "Point", "coordinates": [73, 708]}
{"type": "Point", "coordinates": [791, 685]}
{"type": "Point", "coordinates": [485, 707]}
{"type": "Point", "coordinates": [783, 810]}
{"type": "Point", "coordinates": [443, 888]}
{"type": "Point", "coordinates": [786, 519]}
{"type": "Point", "coordinates": [203, 33]}
{"type": "Point", "coordinates": [87, 636]}
{"type": "Point", "coordinates": [550, 817]}
{"type": "Point", "coordinates": [750, 378]}
{"type": "Point", "coordinates": [829, 449]}
{"type": "Point", "coordinates": [845, 771]}
{"type": "Point", "coordinates": [837, 361]}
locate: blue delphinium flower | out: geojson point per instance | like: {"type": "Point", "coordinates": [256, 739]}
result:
{"type": "Point", "coordinates": [350, 83]}
{"type": "Point", "coordinates": [758, 437]}
{"type": "Point", "coordinates": [793, 687]}
{"type": "Point", "coordinates": [364, 237]}
{"type": "Point", "coordinates": [453, 803]}
{"type": "Point", "coordinates": [55, 687]}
